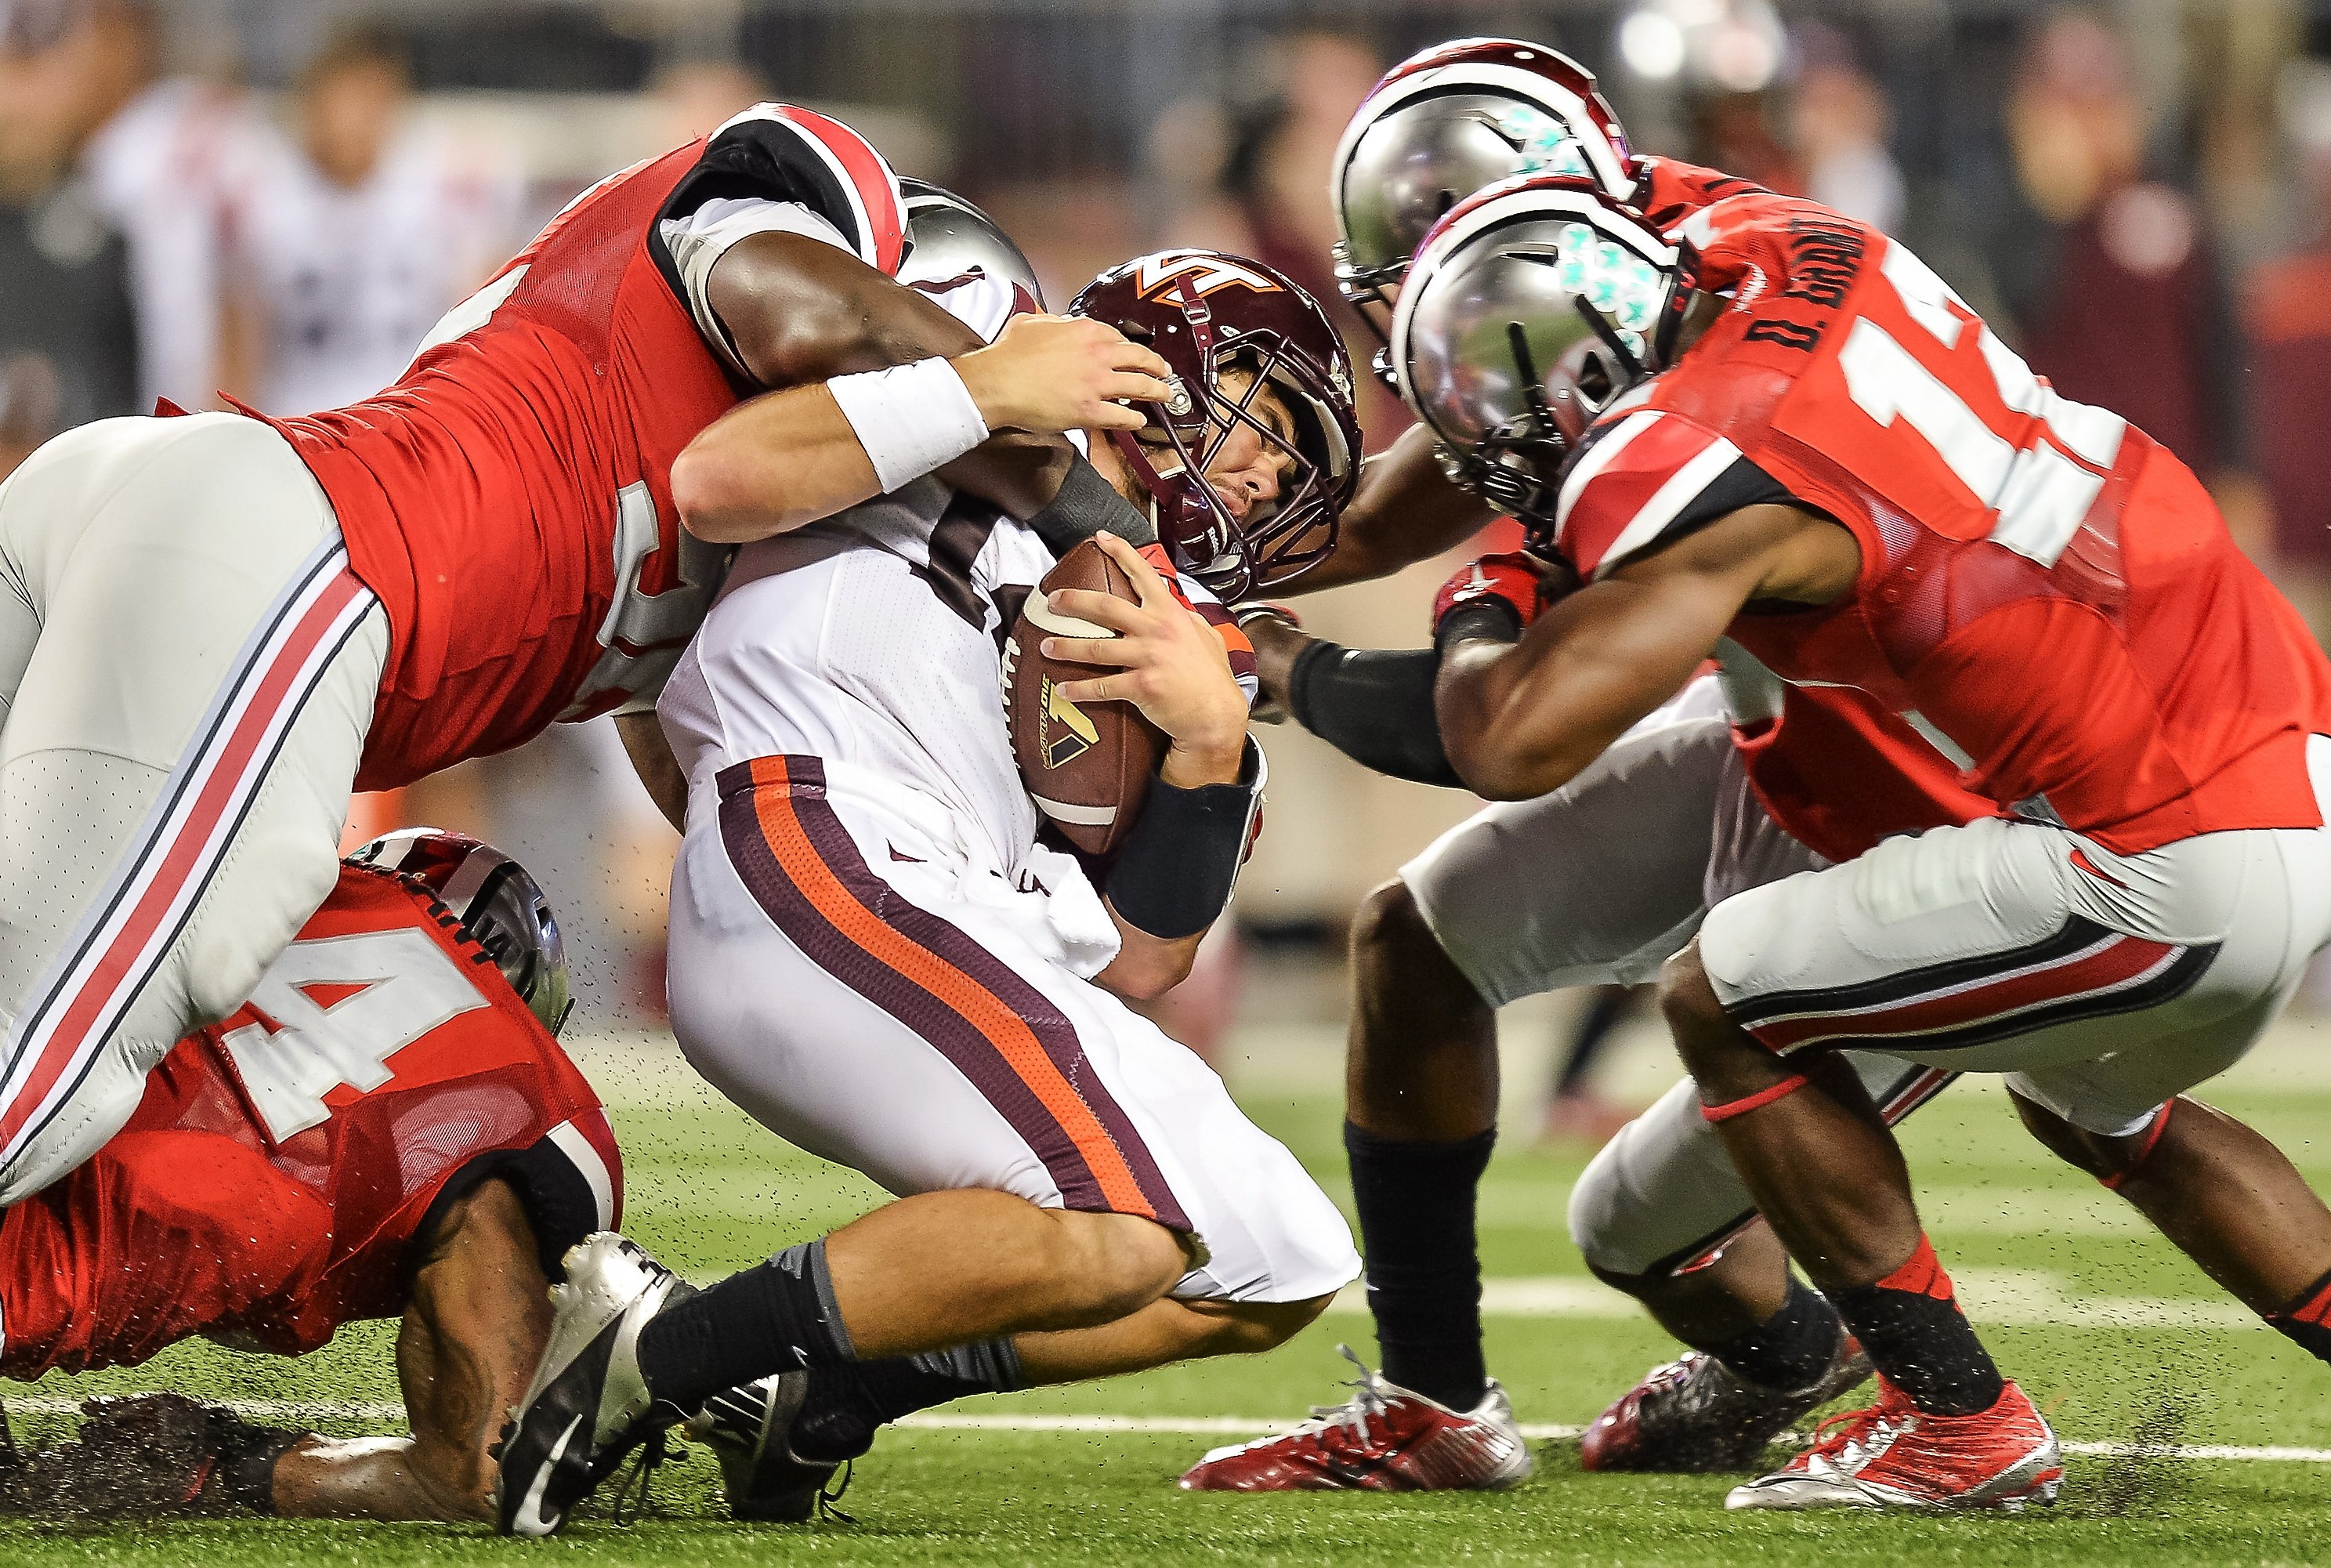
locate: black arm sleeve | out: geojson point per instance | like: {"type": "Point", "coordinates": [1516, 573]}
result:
{"type": "Point", "coordinates": [1376, 708]}
{"type": "Point", "coordinates": [1086, 504]}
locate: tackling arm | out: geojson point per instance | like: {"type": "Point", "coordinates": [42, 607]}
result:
{"type": "Point", "coordinates": [802, 312]}
{"type": "Point", "coordinates": [1404, 511]}
{"type": "Point", "coordinates": [476, 1326]}
{"type": "Point", "coordinates": [659, 770]}
{"type": "Point", "coordinates": [1521, 718]}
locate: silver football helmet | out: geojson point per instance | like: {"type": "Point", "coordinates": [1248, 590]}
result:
{"type": "Point", "coordinates": [496, 900]}
{"type": "Point", "coordinates": [1530, 310]}
{"type": "Point", "coordinates": [1449, 122]}
{"type": "Point", "coordinates": [948, 238]}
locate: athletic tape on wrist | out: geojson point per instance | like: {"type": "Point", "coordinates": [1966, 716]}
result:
{"type": "Point", "coordinates": [1180, 864]}
{"type": "Point", "coordinates": [910, 418]}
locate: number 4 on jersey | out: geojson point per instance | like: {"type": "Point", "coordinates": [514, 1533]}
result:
{"type": "Point", "coordinates": [394, 986]}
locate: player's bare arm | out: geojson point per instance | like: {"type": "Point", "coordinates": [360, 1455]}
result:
{"type": "Point", "coordinates": [771, 465]}
{"type": "Point", "coordinates": [652, 759]}
{"type": "Point", "coordinates": [1168, 663]}
{"type": "Point", "coordinates": [801, 312]}
{"type": "Point", "coordinates": [469, 1339]}
{"type": "Point", "coordinates": [1519, 719]}
{"type": "Point", "coordinates": [1404, 511]}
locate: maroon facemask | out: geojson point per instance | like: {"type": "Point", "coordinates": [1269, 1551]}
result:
{"type": "Point", "coordinates": [1208, 314]}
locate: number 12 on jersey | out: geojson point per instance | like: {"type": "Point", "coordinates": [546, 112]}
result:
{"type": "Point", "coordinates": [2041, 475]}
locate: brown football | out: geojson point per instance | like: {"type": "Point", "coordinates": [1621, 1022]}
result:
{"type": "Point", "coordinates": [1087, 765]}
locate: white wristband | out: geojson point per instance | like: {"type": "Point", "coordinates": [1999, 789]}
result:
{"type": "Point", "coordinates": [910, 418]}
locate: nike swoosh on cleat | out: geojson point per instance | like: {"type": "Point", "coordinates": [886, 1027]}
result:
{"type": "Point", "coordinates": [528, 1519]}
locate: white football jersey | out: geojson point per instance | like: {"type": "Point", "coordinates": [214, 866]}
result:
{"type": "Point", "coordinates": [873, 641]}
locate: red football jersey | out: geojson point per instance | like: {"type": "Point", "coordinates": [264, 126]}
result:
{"type": "Point", "coordinates": [1667, 191]}
{"type": "Point", "coordinates": [2046, 596]}
{"type": "Point", "coordinates": [270, 1184]}
{"type": "Point", "coordinates": [510, 498]}
{"type": "Point", "coordinates": [1830, 764]}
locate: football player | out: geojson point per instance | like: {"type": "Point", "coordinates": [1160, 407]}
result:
{"type": "Point", "coordinates": [269, 613]}
{"type": "Point", "coordinates": [1837, 467]}
{"type": "Point", "coordinates": [387, 1129]}
{"type": "Point", "coordinates": [876, 953]}
{"type": "Point", "coordinates": [1597, 883]}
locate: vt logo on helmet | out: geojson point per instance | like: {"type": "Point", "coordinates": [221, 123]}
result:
{"type": "Point", "coordinates": [1529, 312]}
{"type": "Point", "coordinates": [1252, 355]}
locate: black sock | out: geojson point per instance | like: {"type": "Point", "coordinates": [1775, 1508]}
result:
{"type": "Point", "coordinates": [777, 1318]}
{"type": "Point", "coordinates": [1424, 1269]}
{"type": "Point", "coordinates": [847, 1404]}
{"type": "Point", "coordinates": [1790, 1350]}
{"type": "Point", "coordinates": [1910, 1324]}
{"type": "Point", "coordinates": [2307, 1321]}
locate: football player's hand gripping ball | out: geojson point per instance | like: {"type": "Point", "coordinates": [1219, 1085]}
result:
{"type": "Point", "coordinates": [1166, 661]}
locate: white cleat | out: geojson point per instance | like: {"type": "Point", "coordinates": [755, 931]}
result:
{"type": "Point", "coordinates": [588, 1405]}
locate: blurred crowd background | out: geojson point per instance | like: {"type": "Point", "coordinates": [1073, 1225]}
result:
{"type": "Point", "coordinates": [275, 199]}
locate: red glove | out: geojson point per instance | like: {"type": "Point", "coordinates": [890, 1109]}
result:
{"type": "Point", "coordinates": [1513, 579]}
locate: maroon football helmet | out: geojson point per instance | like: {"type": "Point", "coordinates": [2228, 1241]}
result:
{"type": "Point", "coordinates": [1207, 314]}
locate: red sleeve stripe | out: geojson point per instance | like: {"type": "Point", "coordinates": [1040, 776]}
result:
{"type": "Point", "coordinates": [866, 179]}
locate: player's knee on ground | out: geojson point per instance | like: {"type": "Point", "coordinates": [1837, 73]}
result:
{"type": "Point", "coordinates": [2108, 1159]}
{"type": "Point", "coordinates": [1100, 1267]}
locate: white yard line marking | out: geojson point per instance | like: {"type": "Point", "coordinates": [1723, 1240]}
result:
{"type": "Point", "coordinates": [2038, 1297]}
{"type": "Point", "coordinates": [1157, 1426]}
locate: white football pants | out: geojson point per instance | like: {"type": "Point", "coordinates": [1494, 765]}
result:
{"type": "Point", "coordinates": [187, 671]}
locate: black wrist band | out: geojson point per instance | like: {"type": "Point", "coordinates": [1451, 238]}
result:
{"type": "Point", "coordinates": [1490, 619]}
{"type": "Point", "coordinates": [1086, 504]}
{"type": "Point", "coordinates": [1180, 862]}
{"type": "Point", "coordinates": [1375, 707]}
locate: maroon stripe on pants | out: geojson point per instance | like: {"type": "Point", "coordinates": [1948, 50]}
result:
{"type": "Point", "coordinates": [913, 1004]}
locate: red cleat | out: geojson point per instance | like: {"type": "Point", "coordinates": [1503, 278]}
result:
{"type": "Point", "coordinates": [1387, 1439]}
{"type": "Point", "coordinates": [1894, 1455]}
{"type": "Point", "coordinates": [1698, 1416]}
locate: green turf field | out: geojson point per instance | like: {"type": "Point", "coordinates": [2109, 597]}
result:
{"type": "Point", "coordinates": [2111, 1330]}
